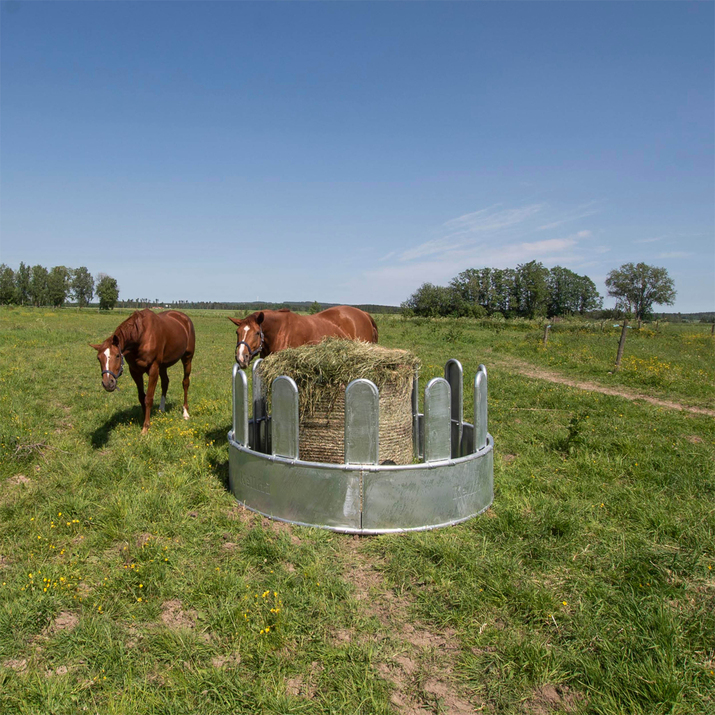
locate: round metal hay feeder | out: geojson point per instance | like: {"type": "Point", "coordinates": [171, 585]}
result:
{"type": "Point", "coordinates": [451, 481]}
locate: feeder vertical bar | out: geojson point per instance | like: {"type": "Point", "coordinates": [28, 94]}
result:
{"type": "Point", "coordinates": [454, 374]}
{"type": "Point", "coordinates": [417, 447]}
{"type": "Point", "coordinates": [362, 415]}
{"type": "Point", "coordinates": [284, 439]}
{"type": "Point", "coordinates": [438, 428]}
{"type": "Point", "coordinates": [480, 408]}
{"type": "Point", "coordinates": [259, 409]}
{"type": "Point", "coordinates": [240, 406]}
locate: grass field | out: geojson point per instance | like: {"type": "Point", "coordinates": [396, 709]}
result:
{"type": "Point", "coordinates": [131, 582]}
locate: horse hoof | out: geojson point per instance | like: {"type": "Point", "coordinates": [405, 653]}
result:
{"type": "Point", "coordinates": [186, 414]}
{"type": "Point", "coordinates": [145, 430]}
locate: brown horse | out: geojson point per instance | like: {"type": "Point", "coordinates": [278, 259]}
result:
{"type": "Point", "coordinates": [269, 331]}
{"type": "Point", "coordinates": [150, 342]}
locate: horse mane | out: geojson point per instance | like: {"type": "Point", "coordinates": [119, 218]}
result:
{"type": "Point", "coordinates": [130, 330]}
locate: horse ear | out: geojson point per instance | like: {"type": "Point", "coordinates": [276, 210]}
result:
{"type": "Point", "coordinates": [234, 320]}
{"type": "Point", "coordinates": [115, 340]}
{"type": "Point", "coordinates": [97, 347]}
{"type": "Point", "coordinates": [259, 318]}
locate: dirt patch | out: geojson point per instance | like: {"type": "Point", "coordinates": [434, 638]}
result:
{"type": "Point", "coordinates": [65, 621]}
{"type": "Point", "coordinates": [19, 479]}
{"type": "Point", "coordinates": [549, 699]}
{"type": "Point", "coordinates": [226, 661]}
{"type": "Point", "coordinates": [143, 539]}
{"type": "Point", "coordinates": [173, 615]}
{"type": "Point", "coordinates": [508, 458]}
{"type": "Point", "coordinates": [422, 661]}
{"type": "Point", "coordinates": [539, 373]}
{"type": "Point", "coordinates": [694, 439]}
{"type": "Point", "coordinates": [305, 686]}
{"type": "Point", "coordinates": [16, 664]}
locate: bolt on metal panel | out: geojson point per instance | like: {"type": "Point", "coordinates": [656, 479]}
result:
{"type": "Point", "coordinates": [437, 420]}
{"type": "Point", "coordinates": [480, 408]}
{"type": "Point", "coordinates": [454, 374]}
{"type": "Point", "coordinates": [240, 405]}
{"type": "Point", "coordinates": [284, 426]}
{"type": "Point", "coordinates": [362, 420]}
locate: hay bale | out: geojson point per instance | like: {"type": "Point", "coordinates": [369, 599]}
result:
{"type": "Point", "coordinates": [323, 371]}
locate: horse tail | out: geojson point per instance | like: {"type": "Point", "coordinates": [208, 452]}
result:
{"type": "Point", "coordinates": [374, 328]}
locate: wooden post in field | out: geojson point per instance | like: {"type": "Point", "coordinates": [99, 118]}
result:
{"type": "Point", "coordinates": [621, 344]}
{"type": "Point", "coordinates": [546, 333]}
{"type": "Point", "coordinates": [712, 329]}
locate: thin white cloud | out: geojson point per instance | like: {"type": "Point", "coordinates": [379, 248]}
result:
{"type": "Point", "coordinates": [674, 254]}
{"type": "Point", "coordinates": [649, 240]}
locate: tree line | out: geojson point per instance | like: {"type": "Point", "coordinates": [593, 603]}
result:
{"type": "Point", "coordinates": [531, 290]}
{"type": "Point", "coordinates": [35, 285]}
{"type": "Point", "coordinates": [528, 291]}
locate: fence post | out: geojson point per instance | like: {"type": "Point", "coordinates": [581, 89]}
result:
{"type": "Point", "coordinates": [546, 333]}
{"type": "Point", "coordinates": [621, 344]}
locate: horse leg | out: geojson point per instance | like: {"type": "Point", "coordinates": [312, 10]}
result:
{"type": "Point", "coordinates": [164, 387]}
{"type": "Point", "coordinates": [138, 377]}
{"type": "Point", "coordinates": [187, 372]}
{"type": "Point", "coordinates": [149, 399]}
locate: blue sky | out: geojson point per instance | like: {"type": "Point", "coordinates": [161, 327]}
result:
{"type": "Point", "coordinates": [349, 152]}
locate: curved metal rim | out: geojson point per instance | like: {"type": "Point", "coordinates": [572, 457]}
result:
{"type": "Point", "coordinates": [366, 532]}
{"type": "Point", "coordinates": [362, 467]}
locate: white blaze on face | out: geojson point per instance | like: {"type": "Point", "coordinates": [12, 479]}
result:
{"type": "Point", "coordinates": [107, 355]}
{"type": "Point", "coordinates": [242, 348]}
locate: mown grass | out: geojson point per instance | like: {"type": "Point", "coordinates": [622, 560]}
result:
{"type": "Point", "coordinates": [131, 583]}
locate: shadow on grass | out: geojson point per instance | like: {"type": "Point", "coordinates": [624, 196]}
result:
{"type": "Point", "coordinates": [219, 437]}
{"type": "Point", "coordinates": [220, 471]}
{"type": "Point", "coordinates": [100, 436]}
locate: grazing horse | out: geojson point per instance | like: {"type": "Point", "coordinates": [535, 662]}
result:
{"type": "Point", "coordinates": [269, 331]}
{"type": "Point", "coordinates": [150, 342]}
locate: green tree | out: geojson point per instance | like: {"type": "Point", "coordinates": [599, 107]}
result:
{"type": "Point", "coordinates": [314, 308]}
{"type": "Point", "coordinates": [637, 287]}
{"type": "Point", "coordinates": [107, 291]}
{"type": "Point", "coordinates": [22, 285]}
{"type": "Point", "coordinates": [58, 285]}
{"type": "Point", "coordinates": [38, 285]}
{"type": "Point", "coordinates": [82, 286]}
{"type": "Point", "coordinates": [571, 293]}
{"type": "Point", "coordinates": [531, 289]}
{"type": "Point", "coordinates": [7, 285]}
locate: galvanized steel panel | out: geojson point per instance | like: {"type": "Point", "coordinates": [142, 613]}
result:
{"type": "Point", "coordinates": [454, 374]}
{"type": "Point", "coordinates": [284, 425]}
{"type": "Point", "coordinates": [362, 422]}
{"type": "Point", "coordinates": [437, 420]}
{"type": "Point", "coordinates": [240, 405]}
{"type": "Point", "coordinates": [304, 493]}
{"type": "Point", "coordinates": [426, 496]}
{"type": "Point", "coordinates": [480, 407]}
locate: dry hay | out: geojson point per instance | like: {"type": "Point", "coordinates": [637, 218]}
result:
{"type": "Point", "coordinates": [323, 371]}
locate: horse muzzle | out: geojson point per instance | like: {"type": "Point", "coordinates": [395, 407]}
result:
{"type": "Point", "coordinates": [109, 384]}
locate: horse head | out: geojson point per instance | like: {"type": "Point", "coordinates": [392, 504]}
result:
{"type": "Point", "coordinates": [250, 338]}
{"type": "Point", "coordinates": [111, 361]}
